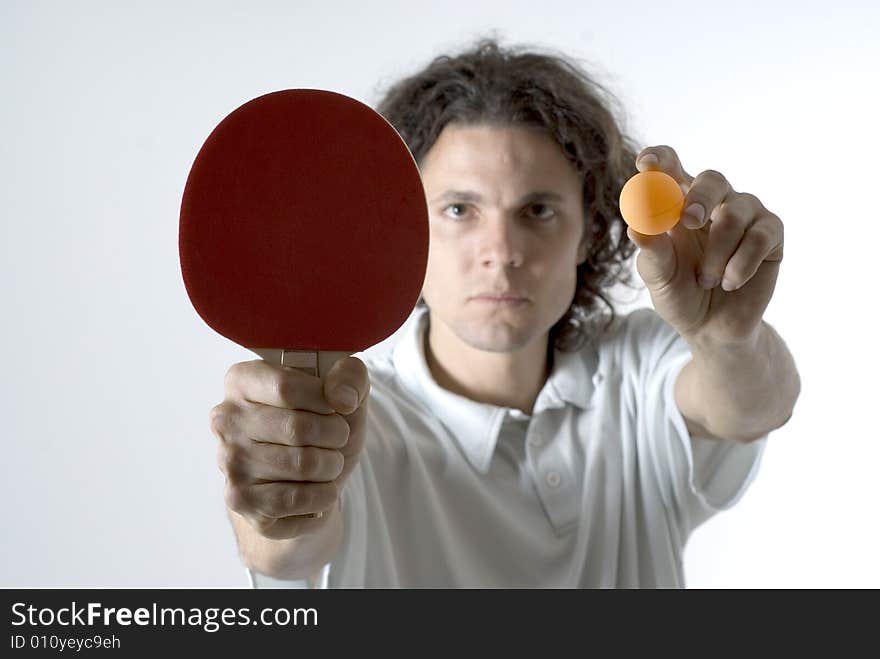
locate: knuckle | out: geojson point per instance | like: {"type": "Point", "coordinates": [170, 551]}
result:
{"type": "Point", "coordinates": [235, 476]}
{"type": "Point", "coordinates": [729, 215]}
{"type": "Point", "coordinates": [278, 385]}
{"type": "Point", "coordinates": [236, 498]}
{"type": "Point", "coordinates": [751, 199]}
{"type": "Point", "coordinates": [288, 426]}
{"type": "Point", "coordinates": [221, 419]}
{"type": "Point", "coordinates": [222, 457]}
{"type": "Point", "coordinates": [234, 466]}
{"type": "Point", "coordinates": [663, 151]}
{"type": "Point", "coordinates": [713, 175]}
{"type": "Point", "coordinates": [309, 462]}
{"type": "Point", "coordinates": [303, 426]}
{"type": "Point", "coordinates": [223, 462]}
{"type": "Point", "coordinates": [264, 525]}
{"type": "Point", "coordinates": [760, 239]}
{"type": "Point", "coordinates": [282, 460]}
{"type": "Point", "coordinates": [232, 377]}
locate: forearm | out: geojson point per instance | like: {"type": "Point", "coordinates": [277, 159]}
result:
{"type": "Point", "coordinates": [740, 391]}
{"type": "Point", "coordinates": [295, 558]}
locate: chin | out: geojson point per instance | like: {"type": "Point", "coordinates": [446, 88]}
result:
{"type": "Point", "coordinates": [495, 335]}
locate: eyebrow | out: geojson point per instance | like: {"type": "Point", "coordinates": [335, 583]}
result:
{"type": "Point", "coordinates": [469, 195]}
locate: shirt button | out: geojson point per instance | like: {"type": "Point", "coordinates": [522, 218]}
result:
{"type": "Point", "coordinates": [536, 440]}
{"type": "Point", "coordinates": [553, 478]}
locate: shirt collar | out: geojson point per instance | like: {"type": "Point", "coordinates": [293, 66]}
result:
{"type": "Point", "coordinates": [474, 425]}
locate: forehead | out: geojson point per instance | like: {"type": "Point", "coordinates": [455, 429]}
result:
{"type": "Point", "coordinates": [512, 151]}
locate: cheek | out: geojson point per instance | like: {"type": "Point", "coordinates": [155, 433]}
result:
{"type": "Point", "coordinates": [562, 279]}
{"type": "Point", "coordinates": [559, 279]}
{"type": "Point", "coordinates": [442, 271]}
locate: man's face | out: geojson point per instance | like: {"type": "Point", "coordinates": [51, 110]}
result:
{"type": "Point", "coordinates": [492, 238]}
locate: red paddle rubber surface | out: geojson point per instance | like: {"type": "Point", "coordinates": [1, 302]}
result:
{"type": "Point", "coordinates": [304, 225]}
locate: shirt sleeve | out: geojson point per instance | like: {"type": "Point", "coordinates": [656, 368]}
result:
{"type": "Point", "coordinates": [698, 476]}
{"type": "Point", "coordinates": [260, 580]}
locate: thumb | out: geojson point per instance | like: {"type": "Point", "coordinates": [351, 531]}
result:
{"type": "Point", "coordinates": [656, 260]}
{"type": "Point", "coordinates": [347, 384]}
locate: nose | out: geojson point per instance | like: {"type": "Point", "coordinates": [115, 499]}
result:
{"type": "Point", "coordinates": [501, 245]}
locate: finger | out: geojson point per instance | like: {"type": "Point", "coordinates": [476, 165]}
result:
{"type": "Point", "coordinates": [274, 462]}
{"type": "Point", "coordinates": [291, 527]}
{"type": "Point", "coordinates": [260, 382]}
{"type": "Point", "coordinates": [707, 191]}
{"type": "Point", "coordinates": [730, 221]}
{"type": "Point", "coordinates": [277, 500]}
{"type": "Point", "coordinates": [761, 242]}
{"type": "Point", "coordinates": [276, 425]}
{"type": "Point", "coordinates": [347, 384]}
{"type": "Point", "coordinates": [352, 450]}
{"type": "Point", "coordinates": [223, 420]}
{"type": "Point", "coordinates": [663, 158]}
{"type": "Point", "coordinates": [656, 262]}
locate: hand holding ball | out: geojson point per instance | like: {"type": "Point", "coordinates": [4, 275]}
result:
{"type": "Point", "coordinates": [651, 202]}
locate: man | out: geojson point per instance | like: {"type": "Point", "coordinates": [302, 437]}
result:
{"type": "Point", "coordinates": [509, 438]}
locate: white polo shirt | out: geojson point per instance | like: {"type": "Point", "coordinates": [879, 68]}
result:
{"type": "Point", "coordinates": [599, 487]}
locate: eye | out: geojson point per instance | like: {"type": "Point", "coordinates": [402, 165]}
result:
{"type": "Point", "coordinates": [454, 215]}
{"type": "Point", "coordinates": [545, 212]}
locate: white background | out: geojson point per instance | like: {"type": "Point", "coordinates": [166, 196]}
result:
{"type": "Point", "coordinates": [108, 465]}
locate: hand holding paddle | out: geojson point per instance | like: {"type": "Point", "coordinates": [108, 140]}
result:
{"type": "Point", "coordinates": [289, 441]}
{"type": "Point", "coordinates": [303, 237]}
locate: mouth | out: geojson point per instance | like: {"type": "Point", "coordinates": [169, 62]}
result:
{"type": "Point", "coordinates": [500, 299]}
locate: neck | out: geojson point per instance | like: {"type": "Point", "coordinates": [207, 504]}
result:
{"type": "Point", "coordinates": [505, 379]}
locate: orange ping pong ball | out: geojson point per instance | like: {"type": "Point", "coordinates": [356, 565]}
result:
{"type": "Point", "coordinates": [651, 202]}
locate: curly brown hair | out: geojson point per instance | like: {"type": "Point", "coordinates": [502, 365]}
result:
{"type": "Point", "coordinates": [547, 90]}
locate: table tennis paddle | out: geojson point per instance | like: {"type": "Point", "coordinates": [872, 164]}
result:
{"type": "Point", "coordinates": [304, 228]}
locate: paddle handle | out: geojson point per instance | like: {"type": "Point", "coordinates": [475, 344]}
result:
{"type": "Point", "coordinates": [311, 362]}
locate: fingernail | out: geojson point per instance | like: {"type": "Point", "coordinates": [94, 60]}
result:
{"type": "Point", "coordinates": [693, 216]}
{"type": "Point", "coordinates": [708, 281]}
{"type": "Point", "coordinates": [347, 396]}
{"type": "Point", "coordinates": [649, 159]}
{"type": "Point", "coordinates": [727, 285]}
